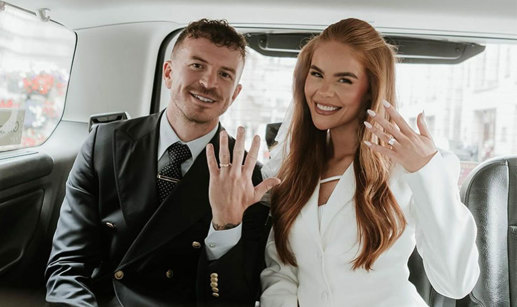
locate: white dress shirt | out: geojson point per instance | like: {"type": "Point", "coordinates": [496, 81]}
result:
{"type": "Point", "coordinates": [217, 242]}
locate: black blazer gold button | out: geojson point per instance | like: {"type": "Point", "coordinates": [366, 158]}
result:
{"type": "Point", "coordinates": [169, 273]}
{"type": "Point", "coordinates": [119, 274]}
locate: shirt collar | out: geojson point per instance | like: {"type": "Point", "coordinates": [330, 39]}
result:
{"type": "Point", "coordinates": [168, 137]}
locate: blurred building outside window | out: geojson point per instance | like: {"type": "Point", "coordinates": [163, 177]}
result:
{"type": "Point", "coordinates": [35, 63]}
{"type": "Point", "coordinates": [471, 107]}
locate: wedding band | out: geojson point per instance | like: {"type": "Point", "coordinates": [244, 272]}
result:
{"type": "Point", "coordinates": [224, 165]}
{"type": "Point", "coordinates": [391, 141]}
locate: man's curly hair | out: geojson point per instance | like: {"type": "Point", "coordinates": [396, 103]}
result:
{"type": "Point", "coordinates": [218, 32]}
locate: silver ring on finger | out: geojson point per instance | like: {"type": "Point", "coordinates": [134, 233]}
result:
{"type": "Point", "coordinates": [391, 141]}
{"type": "Point", "coordinates": [221, 165]}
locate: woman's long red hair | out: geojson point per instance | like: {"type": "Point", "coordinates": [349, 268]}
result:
{"type": "Point", "coordinates": [380, 220]}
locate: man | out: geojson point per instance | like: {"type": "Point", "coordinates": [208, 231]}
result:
{"type": "Point", "coordinates": [134, 222]}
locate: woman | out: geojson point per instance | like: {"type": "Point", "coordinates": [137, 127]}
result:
{"type": "Point", "coordinates": [360, 187]}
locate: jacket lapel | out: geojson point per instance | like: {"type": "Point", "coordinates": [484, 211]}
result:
{"type": "Point", "coordinates": [309, 216]}
{"type": "Point", "coordinates": [186, 204]}
{"type": "Point", "coordinates": [135, 149]}
{"type": "Point", "coordinates": [340, 198]}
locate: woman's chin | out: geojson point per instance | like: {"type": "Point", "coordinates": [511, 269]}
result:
{"type": "Point", "coordinates": [321, 126]}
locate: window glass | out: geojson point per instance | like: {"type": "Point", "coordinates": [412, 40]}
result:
{"type": "Point", "coordinates": [35, 61]}
{"type": "Point", "coordinates": [265, 97]}
{"type": "Point", "coordinates": [471, 107]}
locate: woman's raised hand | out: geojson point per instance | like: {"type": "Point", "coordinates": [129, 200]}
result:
{"type": "Point", "coordinates": [404, 145]}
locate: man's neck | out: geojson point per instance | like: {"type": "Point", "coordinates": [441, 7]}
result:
{"type": "Point", "coordinates": [188, 130]}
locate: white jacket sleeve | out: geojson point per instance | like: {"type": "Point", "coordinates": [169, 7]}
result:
{"type": "Point", "coordinates": [445, 229]}
{"type": "Point", "coordinates": [279, 280]}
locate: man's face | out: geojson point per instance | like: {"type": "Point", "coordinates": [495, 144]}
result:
{"type": "Point", "coordinates": [203, 80]}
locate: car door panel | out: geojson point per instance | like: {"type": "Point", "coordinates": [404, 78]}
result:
{"type": "Point", "coordinates": [31, 192]}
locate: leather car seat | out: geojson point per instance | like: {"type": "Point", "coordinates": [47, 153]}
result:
{"type": "Point", "coordinates": [490, 193]}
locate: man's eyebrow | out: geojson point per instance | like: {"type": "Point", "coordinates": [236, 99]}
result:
{"type": "Point", "coordinates": [198, 58]}
{"type": "Point", "coordinates": [339, 74]}
{"type": "Point", "coordinates": [229, 69]}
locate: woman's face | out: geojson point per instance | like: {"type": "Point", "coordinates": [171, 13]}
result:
{"type": "Point", "coordinates": [336, 86]}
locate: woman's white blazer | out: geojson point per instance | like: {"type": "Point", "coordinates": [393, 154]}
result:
{"type": "Point", "coordinates": [438, 223]}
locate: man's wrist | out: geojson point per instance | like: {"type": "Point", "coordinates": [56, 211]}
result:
{"type": "Point", "coordinates": [226, 220]}
{"type": "Point", "coordinates": [224, 226]}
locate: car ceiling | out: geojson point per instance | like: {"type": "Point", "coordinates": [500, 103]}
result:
{"type": "Point", "coordinates": [496, 18]}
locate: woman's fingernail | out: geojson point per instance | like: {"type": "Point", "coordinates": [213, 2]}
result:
{"type": "Point", "coordinates": [371, 113]}
{"type": "Point", "coordinates": [367, 143]}
{"type": "Point", "coordinates": [367, 124]}
{"type": "Point", "coordinates": [386, 103]}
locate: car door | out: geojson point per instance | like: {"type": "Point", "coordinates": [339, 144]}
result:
{"type": "Point", "coordinates": [54, 84]}
{"type": "Point", "coordinates": [37, 146]}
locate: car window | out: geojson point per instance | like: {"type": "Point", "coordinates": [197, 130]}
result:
{"type": "Point", "coordinates": [265, 97]}
{"type": "Point", "coordinates": [35, 62]}
{"type": "Point", "coordinates": [470, 107]}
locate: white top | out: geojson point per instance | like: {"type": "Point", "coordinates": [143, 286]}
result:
{"type": "Point", "coordinates": [439, 225]}
{"type": "Point", "coordinates": [321, 208]}
{"type": "Point", "coordinates": [329, 179]}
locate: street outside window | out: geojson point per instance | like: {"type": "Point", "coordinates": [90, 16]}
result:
{"type": "Point", "coordinates": [35, 63]}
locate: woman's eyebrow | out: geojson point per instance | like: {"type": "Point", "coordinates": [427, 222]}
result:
{"type": "Point", "coordinates": [346, 74]}
{"type": "Point", "coordinates": [339, 74]}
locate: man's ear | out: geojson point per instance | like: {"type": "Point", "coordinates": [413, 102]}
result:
{"type": "Point", "coordinates": [167, 73]}
{"type": "Point", "coordinates": [236, 92]}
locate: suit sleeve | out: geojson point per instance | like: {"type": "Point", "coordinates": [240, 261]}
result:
{"type": "Point", "coordinates": [76, 244]}
{"type": "Point", "coordinates": [445, 229]}
{"type": "Point", "coordinates": [279, 280]}
{"type": "Point", "coordinates": [234, 278]}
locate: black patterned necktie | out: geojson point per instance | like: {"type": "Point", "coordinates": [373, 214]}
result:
{"type": "Point", "coordinates": [170, 174]}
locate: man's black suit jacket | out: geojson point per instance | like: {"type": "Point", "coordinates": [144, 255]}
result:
{"type": "Point", "coordinates": [115, 244]}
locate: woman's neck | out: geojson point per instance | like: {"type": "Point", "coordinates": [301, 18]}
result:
{"type": "Point", "coordinates": [344, 145]}
{"type": "Point", "coordinates": [344, 141]}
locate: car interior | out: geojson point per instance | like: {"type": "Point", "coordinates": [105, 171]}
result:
{"type": "Point", "coordinates": [66, 66]}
